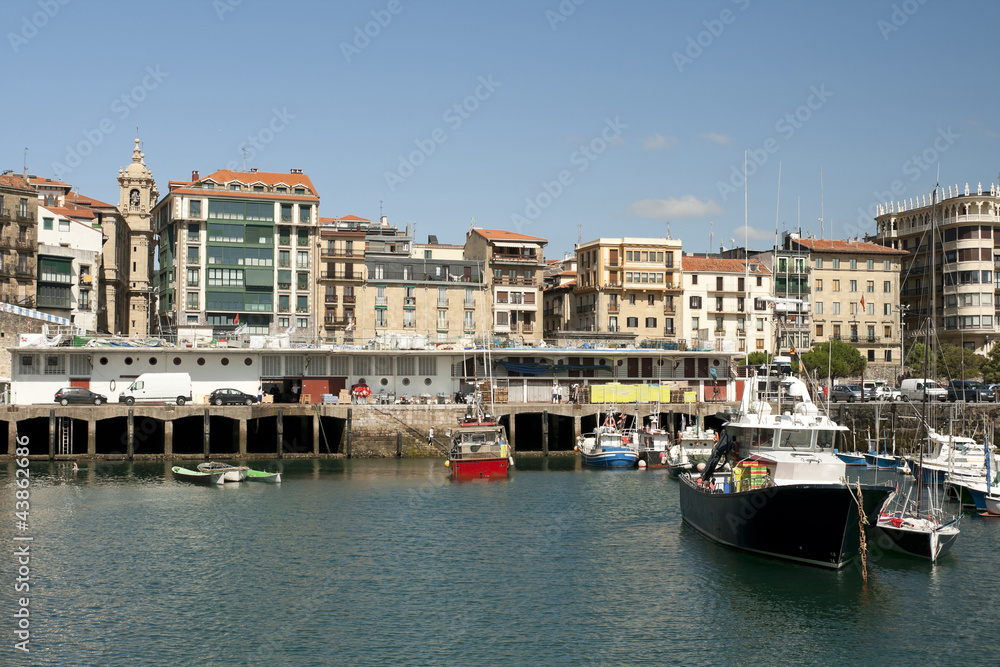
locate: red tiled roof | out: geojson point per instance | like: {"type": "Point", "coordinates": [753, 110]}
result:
{"type": "Point", "coordinates": [504, 235]}
{"type": "Point", "coordinates": [48, 182]}
{"type": "Point", "coordinates": [716, 265]}
{"type": "Point", "coordinates": [849, 247]}
{"type": "Point", "coordinates": [249, 178]}
{"type": "Point", "coordinates": [74, 212]}
{"type": "Point", "coordinates": [14, 181]}
{"type": "Point", "coordinates": [89, 202]}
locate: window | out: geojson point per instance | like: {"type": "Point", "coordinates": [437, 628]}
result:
{"type": "Point", "coordinates": [651, 300]}
{"type": "Point", "coordinates": [194, 255]}
{"type": "Point", "coordinates": [835, 263]}
{"type": "Point", "coordinates": [819, 307]}
{"type": "Point", "coordinates": [819, 285]}
{"type": "Point", "coordinates": [718, 283]}
{"type": "Point", "coordinates": [836, 308]}
{"type": "Point", "coordinates": [836, 285]}
{"type": "Point", "coordinates": [442, 319]}
{"type": "Point", "coordinates": [47, 223]}
{"type": "Point", "coordinates": [284, 259]}
{"type": "Point", "coordinates": [650, 322]}
{"type": "Point", "coordinates": [302, 304]}
{"type": "Point", "coordinates": [819, 330]}
{"type": "Point", "coordinates": [870, 287]}
{"type": "Point", "coordinates": [285, 238]}
{"type": "Point", "coordinates": [469, 322]}
{"type": "Point", "coordinates": [193, 277]}
{"type": "Point", "coordinates": [718, 304]}
{"type": "Point", "coordinates": [192, 300]}
{"type": "Point", "coordinates": [303, 323]}
{"type": "Point", "coordinates": [870, 307]}
{"type": "Point", "coordinates": [741, 324]}
{"type": "Point", "coordinates": [887, 332]}
{"type": "Point", "coordinates": [695, 302]}
{"type": "Point", "coordinates": [870, 264]}
{"type": "Point", "coordinates": [887, 309]}
{"type": "Point", "coordinates": [854, 285]}
{"type": "Point", "coordinates": [63, 224]}
{"type": "Point", "coordinates": [84, 300]}
{"type": "Point", "coordinates": [854, 308]}
{"type": "Point", "coordinates": [719, 326]}
{"type": "Point", "coordinates": [634, 321]}
{"type": "Point", "coordinates": [302, 238]}
{"type": "Point", "coordinates": [380, 317]}
{"type": "Point", "coordinates": [283, 303]}
{"type": "Point", "coordinates": [302, 280]}
{"type": "Point", "coordinates": [695, 323]}
{"type": "Point", "coordinates": [760, 324]}
{"type": "Point", "coordinates": [760, 281]}
{"type": "Point", "coordinates": [819, 262]}
{"type": "Point", "coordinates": [225, 277]}
{"type": "Point", "coordinates": [887, 286]}
{"type": "Point", "coordinates": [193, 231]}
{"type": "Point", "coordinates": [302, 259]}
{"type": "Point", "coordinates": [305, 214]}
{"type": "Point", "coordinates": [694, 278]}
{"type": "Point", "coordinates": [760, 343]}
{"type": "Point", "coordinates": [286, 212]}
{"type": "Point", "coordinates": [854, 264]}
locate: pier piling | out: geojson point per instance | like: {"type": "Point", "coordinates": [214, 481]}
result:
{"type": "Point", "coordinates": [545, 433]}
{"type": "Point", "coordinates": [281, 432]}
{"type": "Point", "coordinates": [399, 445]}
{"type": "Point", "coordinates": [350, 437]}
{"type": "Point", "coordinates": [130, 435]}
{"type": "Point", "coordinates": [52, 435]}
{"type": "Point", "coordinates": [206, 433]}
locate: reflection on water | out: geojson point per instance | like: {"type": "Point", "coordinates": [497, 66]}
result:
{"type": "Point", "coordinates": [386, 561]}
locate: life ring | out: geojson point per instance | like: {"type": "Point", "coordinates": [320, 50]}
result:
{"type": "Point", "coordinates": [663, 457]}
{"type": "Point", "coordinates": [111, 386]}
{"type": "Point", "coordinates": [609, 421]}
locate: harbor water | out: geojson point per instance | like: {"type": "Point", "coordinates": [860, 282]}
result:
{"type": "Point", "coordinates": [388, 562]}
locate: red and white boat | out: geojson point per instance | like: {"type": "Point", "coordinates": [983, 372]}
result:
{"type": "Point", "coordinates": [479, 449]}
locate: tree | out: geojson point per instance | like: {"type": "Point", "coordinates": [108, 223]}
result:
{"type": "Point", "coordinates": [915, 360]}
{"type": "Point", "coordinates": [958, 362]}
{"type": "Point", "coordinates": [991, 367]}
{"type": "Point", "coordinates": [758, 358]}
{"type": "Point", "coordinates": [842, 361]}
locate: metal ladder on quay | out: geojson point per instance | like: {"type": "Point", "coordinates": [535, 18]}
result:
{"type": "Point", "coordinates": [65, 428]}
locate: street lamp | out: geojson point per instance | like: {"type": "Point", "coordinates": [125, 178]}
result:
{"type": "Point", "coordinates": [902, 360]}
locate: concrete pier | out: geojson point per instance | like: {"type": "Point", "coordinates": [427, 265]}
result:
{"type": "Point", "coordinates": [144, 432]}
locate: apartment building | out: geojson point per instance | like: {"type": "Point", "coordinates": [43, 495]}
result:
{"type": "Point", "coordinates": [341, 275]}
{"type": "Point", "coordinates": [966, 227]}
{"type": "Point", "coordinates": [513, 265]}
{"type": "Point", "coordinates": [725, 301]}
{"type": "Point", "coordinates": [69, 255]}
{"type": "Point", "coordinates": [559, 280]}
{"type": "Point", "coordinates": [855, 287]}
{"type": "Point", "coordinates": [629, 285]}
{"type": "Point", "coordinates": [239, 248]}
{"type": "Point", "coordinates": [18, 240]}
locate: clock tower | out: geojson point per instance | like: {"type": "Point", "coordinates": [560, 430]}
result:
{"type": "Point", "coordinates": [137, 197]}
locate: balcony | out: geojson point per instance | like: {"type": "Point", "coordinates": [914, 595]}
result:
{"type": "Point", "coordinates": [24, 216]}
{"type": "Point", "coordinates": [669, 332]}
{"type": "Point", "coordinates": [588, 308]}
{"type": "Point", "coordinates": [507, 258]}
{"type": "Point", "coordinates": [339, 253]}
{"type": "Point", "coordinates": [86, 280]}
{"type": "Point", "coordinates": [5, 215]}
{"type": "Point", "coordinates": [669, 309]}
{"type": "Point", "coordinates": [334, 323]}
{"type": "Point", "coordinates": [340, 275]}
{"type": "Point", "coordinates": [513, 281]}
{"type": "Point", "coordinates": [350, 298]}
{"type": "Point", "coordinates": [614, 308]}
{"type": "Point", "coordinates": [330, 298]}
{"type": "Point", "coordinates": [673, 287]}
{"type": "Point", "coordinates": [24, 271]}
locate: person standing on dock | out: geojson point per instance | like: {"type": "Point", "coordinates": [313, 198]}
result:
{"type": "Point", "coordinates": [555, 391]}
{"type": "Point", "coordinates": [430, 436]}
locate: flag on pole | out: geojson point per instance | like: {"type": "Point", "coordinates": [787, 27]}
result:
{"type": "Point", "coordinates": [863, 303]}
{"type": "Point", "coordinates": [237, 320]}
{"type": "Point", "coordinates": [350, 326]}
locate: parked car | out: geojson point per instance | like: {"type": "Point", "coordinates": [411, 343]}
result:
{"type": "Point", "coordinates": [231, 397]}
{"type": "Point", "coordinates": [875, 390]}
{"type": "Point", "coordinates": [892, 394]}
{"type": "Point", "coordinates": [969, 390]}
{"type": "Point", "coordinates": [995, 388]}
{"type": "Point", "coordinates": [846, 392]}
{"type": "Point", "coordinates": [68, 395]}
{"type": "Point", "coordinates": [913, 389]}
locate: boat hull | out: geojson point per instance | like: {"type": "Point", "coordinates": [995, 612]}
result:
{"type": "Point", "coordinates": [929, 544]}
{"type": "Point", "coordinates": [993, 505]}
{"type": "Point", "coordinates": [263, 476]}
{"type": "Point", "coordinates": [197, 477]}
{"type": "Point", "coordinates": [816, 524]}
{"type": "Point", "coordinates": [493, 468]}
{"type": "Point", "coordinates": [852, 459]}
{"type": "Point", "coordinates": [654, 458]}
{"type": "Point", "coordinates": [606, 459]}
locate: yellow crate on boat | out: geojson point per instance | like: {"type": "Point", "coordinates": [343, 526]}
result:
{"type": "Point", "coordinates": [664, 394]}
{"type": "Point", "coordinates": [690, 397]}
{"type": "Point", "coordinates": [597, 393]}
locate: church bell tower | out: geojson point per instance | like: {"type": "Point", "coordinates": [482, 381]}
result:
{"type": "Point", "coordinates": [137, 196]}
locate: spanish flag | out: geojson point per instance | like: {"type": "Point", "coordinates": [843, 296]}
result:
{"type": "Point", "coordinates": [863, 309]}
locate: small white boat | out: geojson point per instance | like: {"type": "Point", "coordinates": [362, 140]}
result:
{"type": "Point", "coordinates": [993, 505]}
{"type": "Point", "coordinates": [230, 473]}
{"type": "Point", "coordinates": [198, 477]}
{"type": "Point", "coordinates": [263, 476]}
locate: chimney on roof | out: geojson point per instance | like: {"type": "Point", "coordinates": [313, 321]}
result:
{"type": "Point", "coordinates": [195, 175]}
{"type": "Point", "coordinates": [296, 171]}
{"type": "Point", "coordinates": [253, 170]}
{"type": "Point", "coordinates": [384, 220]}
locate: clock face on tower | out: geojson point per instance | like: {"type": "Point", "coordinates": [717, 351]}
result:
{"type": "Point", "coordinates": [133, 198]}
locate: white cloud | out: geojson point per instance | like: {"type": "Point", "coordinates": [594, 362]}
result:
{"type": "Point", "coordinates": [683, 208]}
{"type": "Point", "coordinates": [715, 137]}
{"type": "Point", "coordinates": [752, 234]}
{"type": "Point", "coordinates": [658, 142]}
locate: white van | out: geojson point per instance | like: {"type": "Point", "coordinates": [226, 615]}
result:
{"type": "Point", "coordinates": [913, 389]}
{"type": "Point", "coordinates": [158, 387]}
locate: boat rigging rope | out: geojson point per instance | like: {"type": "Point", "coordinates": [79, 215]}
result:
{"type": "Point", "coordinates": [862, 522]}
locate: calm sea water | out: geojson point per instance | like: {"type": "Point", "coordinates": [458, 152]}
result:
{"type": "Point", "coordinates": [387, 562]}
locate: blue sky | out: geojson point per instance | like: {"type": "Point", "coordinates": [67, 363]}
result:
{"type": "Point", "coordinates": [549, 118]}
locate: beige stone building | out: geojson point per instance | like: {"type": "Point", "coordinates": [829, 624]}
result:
{"type": "Point", "coordinates": [724, 302]}
{"type": "Point", "coordinates": [513, 267]}
{"type": "Point", "coordinates": [557, 295]}
{"type": "Point", "coordinates": [855, 288]}
{"type": "Point", "coordinates": [967, 240]}
{"type": "Point", "coordinates": [629, 285]}
{"type": "Point", "coordinates": [341, 278]}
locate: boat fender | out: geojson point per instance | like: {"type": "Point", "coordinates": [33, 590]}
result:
{"type": "Point", "coordinates": [642, 463]}
{"type": "Point", "coordinates": [663, 457]}
{"type": "Point", "coordinates": [510, 460]}
{"type": "Point", "coordinates": [447, 464]}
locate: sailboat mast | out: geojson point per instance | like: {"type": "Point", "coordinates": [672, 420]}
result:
{"type": "Point", "coordinates": [927, 336]}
